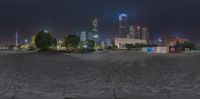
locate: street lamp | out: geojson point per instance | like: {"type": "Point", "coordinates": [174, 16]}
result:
{"type": "Point", "coordinates": [26, 41]}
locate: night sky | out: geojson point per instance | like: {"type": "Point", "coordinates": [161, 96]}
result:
{"type": "Point", "coordinates": [62, 17]}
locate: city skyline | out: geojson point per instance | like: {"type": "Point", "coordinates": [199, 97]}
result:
{"type": "Point", "coordinates": [65, 17]}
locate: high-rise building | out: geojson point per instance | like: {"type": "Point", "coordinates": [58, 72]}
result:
{"type": "Point", "coordinates": [95, 31]}
{"type": "Point", "coordinates": [132, 32]}
{"type": "Point", "coordinates": [123, 26]}
{"type": "Point", "coordinates": [145, 33]}
{"type": "Point", "coordinates": [83, 36]}
{"type": "Point", "coordinates": [138, 32]}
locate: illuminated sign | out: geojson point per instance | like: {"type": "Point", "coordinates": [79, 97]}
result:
{"type": "Point", "coordinates": [156, 50]}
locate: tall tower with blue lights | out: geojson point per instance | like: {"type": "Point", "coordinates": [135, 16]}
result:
{"type": "Point", "coordinates": [123, 25]}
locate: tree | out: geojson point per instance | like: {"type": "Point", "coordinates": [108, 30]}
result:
{"type": "Point", "coordinates": [55, 42]}
{"type": "Point", "coordinates": [189, 45]}
{"type": "Point", "coordinates": [11, 46]}
{"type": "Point", "coordinates": [43, 40]}
{"type": "Point", "coordinates": [129, 46]}
{"type": "Point", "coordinates": [71, 42]}
{"type": "Point", "coordinates": [139, 45]}
{"type": "Point", "coordinates": [185, 45]}
{"type": "Point", "coordinates": [91, 44]}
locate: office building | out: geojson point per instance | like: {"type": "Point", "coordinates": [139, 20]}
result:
{"type": "Point", "coordinates": [123, 25]}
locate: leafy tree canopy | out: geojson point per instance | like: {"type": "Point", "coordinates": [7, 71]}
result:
{"type": "Point", "coordinates": [43, 40]}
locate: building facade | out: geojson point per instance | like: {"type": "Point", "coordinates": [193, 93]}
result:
{"type": "Point", "coordinates": [83, 36]}
{"type": "Point", "coordinates": [121, 42]}
{"type": "Point", "coordinates": [145, 33]}
{"type": "Point", "coordinates": [130, 34]}
{"type": "Point", "coordinates": [123, 25]}
{"type": "Point", "coordinates": [138, 33]}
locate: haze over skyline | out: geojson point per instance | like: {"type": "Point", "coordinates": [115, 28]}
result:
{"type": "Point", "coordinates": [62, 17]}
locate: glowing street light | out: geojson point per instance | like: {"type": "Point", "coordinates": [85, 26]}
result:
{"type": "Point", "coordinates": [26, 40]}
{"type": "Point", "coordinates": [95, 36]}
{"type": "Point", "coordinates": [85, 46]}
{"type": "Point", "coordinates": [160, 40]}
{"type": "Point", "coordinates": [46, 31]}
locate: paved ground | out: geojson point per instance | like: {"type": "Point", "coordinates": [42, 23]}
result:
{"type": "Point", "coordinates": [125, 74]}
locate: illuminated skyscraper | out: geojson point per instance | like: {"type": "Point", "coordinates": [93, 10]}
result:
{"type": "Point", "coordinates": [123, 27]}
{"type": "Point", "coordinates": [94, 34]}
{"type": "Point", "coordinates": [138, 33]}
{"type": "Point", "coordinates": [145, 33]}
{"type": "Point", "coordinates": [132, 32]}
{"type": "Point", "coordinates": [83, 36]}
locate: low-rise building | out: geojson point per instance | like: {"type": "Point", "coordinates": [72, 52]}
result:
{"type": "Point", "coordinates": [121, 42]}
